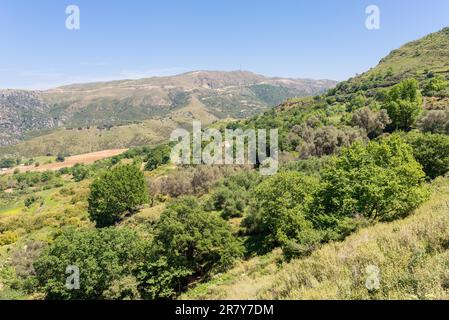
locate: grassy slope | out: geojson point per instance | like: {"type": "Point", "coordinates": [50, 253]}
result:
{"type": "Point", "coordinates": [411, 254]}
{"type": "Point", "coordinates": [418, 57]}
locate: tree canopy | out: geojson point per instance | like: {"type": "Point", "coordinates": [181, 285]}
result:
{"type": "Point", "coordinates": [116, 193]}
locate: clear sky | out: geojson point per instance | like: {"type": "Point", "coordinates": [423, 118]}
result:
{"type": "Point", "coordinates": [137, 38]}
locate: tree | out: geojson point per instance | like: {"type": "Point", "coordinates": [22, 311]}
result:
{"type": "Point", "coordinates": [158, 156]}
{"type": "Point", "coordinates": [431, 151]}
{"type": "Point", "coordinates": [373, 122]}
{"type": "Point", "coordinates": [116, 193]}
{"type": "Point", "coordinates": [102, 256]}
{"type": "Point", "coordinates": [195, 240]}
{"type": "Point", "coordinates": [231, 202]}
{"type": "Point", "coordinates": [160, 280]}
{"type": "Point", "coordinates": [435, 121]}
{"type": "Point", "coordinates": [435, 85]}
{"type": "Point", "coordinates": [404, 104]}
{"type": "Point", "coordinates": [379, 181]}
{"type": "Point", "coordinates": [282, 212]}
{"type": "Point", "coordinates": [7, 163]}
{"type": "Point", "coordinates": [60, 158]}
{"type": "Point", "coordinates": [324, 140]}
{"type": "Point", "coordinates": [80, 172]}
{"type": "Point", "coordinates": [233, 194]}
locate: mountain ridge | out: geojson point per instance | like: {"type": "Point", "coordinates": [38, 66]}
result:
{"type": "Point", "coordinates": [204, 95]}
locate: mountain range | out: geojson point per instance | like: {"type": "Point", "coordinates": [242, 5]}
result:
{"type": "Point", "coordinates": [75, 118]}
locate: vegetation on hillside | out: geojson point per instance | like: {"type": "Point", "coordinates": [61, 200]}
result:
{"type": "Point", "coordinates": [360, 194]}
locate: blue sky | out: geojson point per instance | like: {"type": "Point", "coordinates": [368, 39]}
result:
{"type": "Point", "coordinates": [133, 39]}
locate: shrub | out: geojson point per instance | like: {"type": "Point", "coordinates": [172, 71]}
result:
{"type": "Point", "coordinates": [125, 288]}
{"type": "Point", "coordinates": [28, 202]}
{"type": "Point", "coordinates": [8, 237]}
{"type": "Point", "coordinates": [431, 151]}
{"type": "Point", "coordinates": [103, 257]}
{"type": "Point", "coordinates": [161, 280]}
{"type": "Point", "coordinates": [379, 181]}
{"type": "Point", "coordinates": [22, 260]}
{"type": "Point", "coordinates": [231, 202]}
{"type": "Point", "coordinates": [116, 193]}
{"type": "Point", "coordinates": [177, 183]}
{"type": "Point", "coordinates": [7, 163]}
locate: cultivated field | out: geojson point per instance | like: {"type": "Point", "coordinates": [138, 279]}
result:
{"type": "Point", "coordinates": [86, 158]}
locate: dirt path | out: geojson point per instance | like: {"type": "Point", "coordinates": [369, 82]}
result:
{"type": "Point", "coordinates": [86, 158]}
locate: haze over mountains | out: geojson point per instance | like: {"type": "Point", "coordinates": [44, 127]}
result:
{"type": "Point", "coordinates": [158, 104]}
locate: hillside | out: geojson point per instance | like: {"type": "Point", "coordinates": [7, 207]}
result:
{"type": "Point", "coordinates": [422, 59]}
{"type": "Point", "coordinates": [20, 111]}
{"type": "Point", "coordinates": [352, 104]}
{"type": "Point", "coordinates": [411, 255]}
{"type": "Point", "coordinates": [205, 95]}
{"type": "Point", "coordinates": [357, 210]}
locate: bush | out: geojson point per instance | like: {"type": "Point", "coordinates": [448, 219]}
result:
{"type": "Point", "coordinates": [379, 181]}
{"type": "Point", "coordinates": [125, 288]}
{"type": "Point", "coordinates": [22, 259]}
{"type": "Point", "coordinates": [28, 202]}
{"type": "Point", "coordinates": [431, 151]}
{"type": "Point", "coordinates": [8, 237]}
{"type": "Point", "coordinates": [161, 280]}
{"type": "Point", "coordinates": [116, 193]}
{"type": "Point", "coordinates": [231, 202]}
{"type": "Point", "coordinates": [103, 257]}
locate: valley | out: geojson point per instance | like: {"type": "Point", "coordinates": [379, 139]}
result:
{"type": "Point", "coordinates": [357, 210]}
